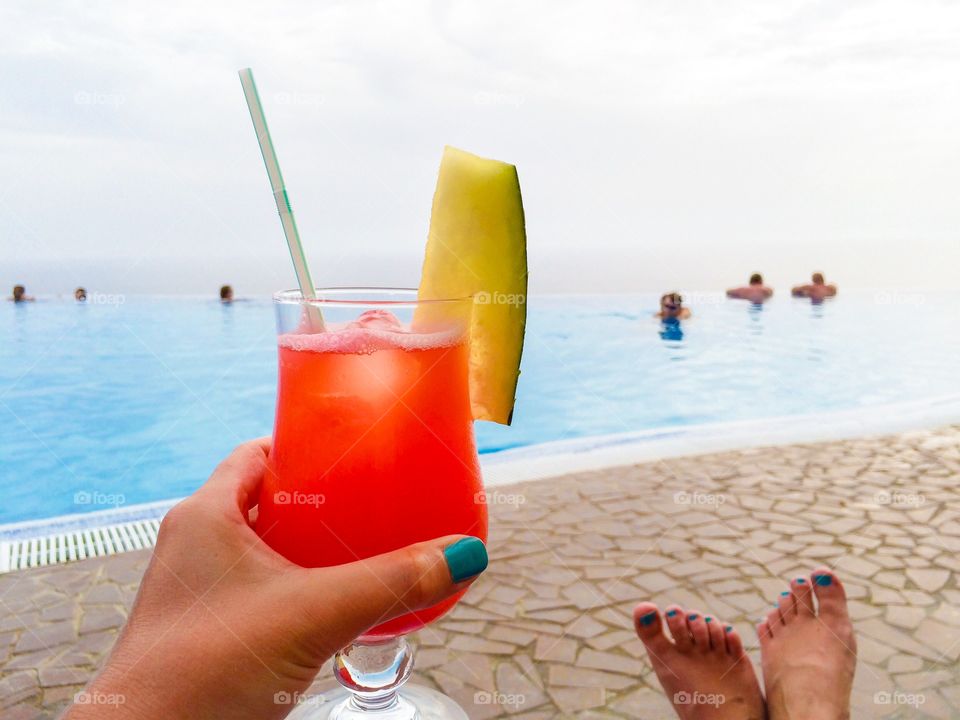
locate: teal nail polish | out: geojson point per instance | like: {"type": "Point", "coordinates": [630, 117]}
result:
{"type": "Point", "coordinates": [466, 558]}
{"type": "Point", "coordinates": [692, 617]}
{"type": "Point", "coordinates": [729, 628]}
{"type": "Point", "coordinates": [784, 593]}
{"type": "Point", "coordinates": [708, 619]}
{"type": "Point", "coordinates": [823, 580]}
{"type": "Point", "coordinates": [801, 581]}
{"type": "Point", "coordinates": [648, 618]}
{"type": "Point", "coordinates": [671, 613]}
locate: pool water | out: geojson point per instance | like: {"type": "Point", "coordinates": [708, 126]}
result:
{"type": "Point", "coordinates": [129, 400]}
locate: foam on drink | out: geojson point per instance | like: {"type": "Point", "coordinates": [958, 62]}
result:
{"type": "Point", "coordinates": [374, 330]}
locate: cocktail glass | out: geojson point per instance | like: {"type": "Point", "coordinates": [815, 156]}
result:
{"type": "Point", "coordinates": [373, 449]}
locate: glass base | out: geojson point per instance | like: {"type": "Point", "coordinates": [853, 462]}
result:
{"type": "Point", "coordinates": [415, 703]}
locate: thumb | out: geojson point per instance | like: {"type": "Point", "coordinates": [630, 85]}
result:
{"type": "Point", "coordinates": [357, 596]}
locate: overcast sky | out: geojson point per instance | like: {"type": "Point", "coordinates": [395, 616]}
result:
{"type": "Point", "coordinates": [660, 144]}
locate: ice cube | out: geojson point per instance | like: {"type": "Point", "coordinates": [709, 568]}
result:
{"type": "Point", "coordinates": [378, 320]}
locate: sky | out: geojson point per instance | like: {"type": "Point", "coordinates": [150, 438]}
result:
{"type": "Point", "coordinates": [660, 144]}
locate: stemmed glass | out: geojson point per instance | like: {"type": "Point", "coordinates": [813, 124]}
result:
{"type": "Point", "coordinates": [373, 449]}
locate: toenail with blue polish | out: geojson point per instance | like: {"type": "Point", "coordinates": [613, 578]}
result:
{"type": "Point", "coordinates": [671, 613]}
{"type": "Point", "coordinates": [729, 628]}
{"type": "Point", "coordinates": [648, 618]}
{"type": "Point", "coordinates": [708, 619]}
{"type": "Point", "coordinates": [801, 581]}
{"type": "Point", "coordinates": [692, 617]}
{"type": "Point", "coordinates": [823, 580]}
{"type": "Point", "coordinates": [784, 593]}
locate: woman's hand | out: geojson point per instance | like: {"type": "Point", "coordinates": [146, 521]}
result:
{"type": "Point", "coordinates": [222, 623]}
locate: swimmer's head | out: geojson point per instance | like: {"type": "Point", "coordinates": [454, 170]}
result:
{"type": "Point", "coordinates": [18, 292]}
{"type": "Point", "coordinates": [226, 293]}
{"type": "Point", "coordinates": [756, 279]}
{"type": "Point", "coordinates": [80, 295]}
{"type": "Point", "coordinates": [671, 304]}
{"type": "Point", "coordinates": [817, 278]}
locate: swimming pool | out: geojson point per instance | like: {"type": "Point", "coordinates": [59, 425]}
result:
{"type": "Point", "coordinates": [129, 400]}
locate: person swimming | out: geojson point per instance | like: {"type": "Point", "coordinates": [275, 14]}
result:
{"type": "Point", "coordinates": [80, 295]}
{"type": "Point", "coordinates": [756, 292]}
{"type": "Point", "coordinates": [20, 295]}
{"type": "Point", "coordinates": [226, 294]}
{"type": "Point", "coordinates": [671, 307]}
{"type": "Point", "coordinates": [817, 291]}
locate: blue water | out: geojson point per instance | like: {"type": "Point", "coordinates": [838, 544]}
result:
{"type": "Point", "coordinates": [113, 403]}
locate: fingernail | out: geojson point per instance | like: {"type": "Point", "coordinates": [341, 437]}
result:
{"type": "Point", "coordinates": [466, 558]}
{"type": "Point", "coordinates": [784, 593]}
{"type": "Point", "coordinates": [729, 628]}
{"type": "Point", "coordinates": [708, 619]}
{"type": "Point", "coordinates": [648, 618]}
{"type": "Point", "coordinates": [822, 580]}
{"type": "Point", "coordinates": [671, 613]}
{"type": "Point", "coordinates": [801, 581]}
{"type": "Point", "coordinates": [692, 617]}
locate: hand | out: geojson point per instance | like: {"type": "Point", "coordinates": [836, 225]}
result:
{"type": "Point", "coordinates": [222, 623]}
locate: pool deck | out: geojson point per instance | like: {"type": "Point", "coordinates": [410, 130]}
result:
{"type": "Point", "coordinates": [546, 632]}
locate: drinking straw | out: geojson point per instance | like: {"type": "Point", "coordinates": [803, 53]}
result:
{"type": "Point", "coordinates": [313, 317]}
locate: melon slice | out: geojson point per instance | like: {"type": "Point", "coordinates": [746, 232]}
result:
{"type": "Point", "coordinates": [478, 246]}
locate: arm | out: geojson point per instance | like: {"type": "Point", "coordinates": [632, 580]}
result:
{"type": "Point", "coordinates": [223, 626]}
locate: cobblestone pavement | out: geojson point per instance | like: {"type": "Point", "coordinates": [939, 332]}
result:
{"type": "Point", "coordinates": [546, 632]}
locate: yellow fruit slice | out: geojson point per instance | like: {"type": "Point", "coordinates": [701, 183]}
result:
{"type": "Point", "coordinates": [478, 246]}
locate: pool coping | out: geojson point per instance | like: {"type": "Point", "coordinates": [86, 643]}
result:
{"type": "Point", "coordinates": [562, 457]}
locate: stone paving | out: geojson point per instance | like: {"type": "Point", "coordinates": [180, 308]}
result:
{"type": "Point", "coordinates": [546, 632]}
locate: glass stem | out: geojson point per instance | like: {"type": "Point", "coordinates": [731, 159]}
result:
{"type": "Point", "coordinates": [373, 671]}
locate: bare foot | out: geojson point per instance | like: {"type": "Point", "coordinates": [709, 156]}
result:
{"type": "Point", "coordinates": [809, 655]}
{"type": "Point", "coordinates": [704, 670]}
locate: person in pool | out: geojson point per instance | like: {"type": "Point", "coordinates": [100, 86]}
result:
{"type": "Point", "coordinates": [20, 295]}
{"type": "Point", "coordinates": [756, 292]}
{"type": "Point", "coordinates": [232, 652]}
{"type": "Point", "coordinates": [80, 295]}
{"type": "Point", "coordinates": [671, 307]}
{"type": "Point", "coordinates": [817, 290]}
{"type": "Point", "coordinates": [226, 294]}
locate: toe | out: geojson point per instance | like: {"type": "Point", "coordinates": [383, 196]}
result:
{"type": "Point", "coordinates": [786, 606]}
{"type": "Point", "coordinates": [677, 622]}
{"type": "Point", "coordinates": [831, 597]}
{"type": "Point", "coordinates": [733, 641]}
{"type": "Point", "coordinates": [802, 596]}
{"type": "Point", "coordinates": [764, 633]}
{"type": "Point", "coordinates": [649, 627]}
{"type": "Point", "coordinates": [774, 621]}
{"type": "Point", "coordinates": [715, 631]}
{"type": "Point", "coordinates": [698, 630]}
